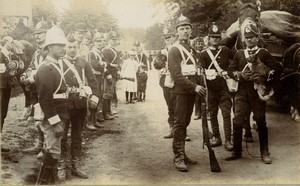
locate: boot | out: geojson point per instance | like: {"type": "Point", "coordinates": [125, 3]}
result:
{"type": "Point", "coordinates": [179, 160]}
{"type": "Point", "coordinates": [62, 170]}
{"type": "Point", "coordinates": [228, 145]}
{"type": "Point", "coordinates": [263, 141]}
{"type": "Point", "coordinates": [189, 161]}
{"type": "Point", "coordinates": [169, 134]}
{"type": "Point", "coordinates": [187, 138]}
{"type": "Point", "coordinates": [234, 156]}
{"type": "Point", "coordinates": [76, 171]}
{"type": "Point", "coordinates": [105, 110]}
{"type": "Point", "coordinates": [100, 117]}
{"type": "Point", "coordinates": [89, 124]}
{"type": "Point", "coordinates": [237, 143]}
{"type": "Point", "coordinates": [216, 142]}
{"type": "Point", "coordinates": [48, 170]}
{"type": "Point", "coordinates": [139, 97]}
{"type": "Point", "coordinates": [38, 144]}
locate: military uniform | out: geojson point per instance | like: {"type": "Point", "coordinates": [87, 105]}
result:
{"type": "Point", "coordinates": [182, 96]}
{"type": "Point", "coordinates": [218, 93]}
{"type": "Point", "coordinates": [112, 57]}
{"type": "Point", "coordinates": [6, 78]}
{"type": "Point", "coordinates": [160, 63]}
{"type": "Point", "coordinates": [247, 98]}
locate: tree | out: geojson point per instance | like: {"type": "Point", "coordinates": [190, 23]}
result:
{"type": "Point", "coordinates": [153, 38]}
{"type": "Point", "coordinates": [93, 13]}
{"type": "Point", "coordinates": [43, 10]}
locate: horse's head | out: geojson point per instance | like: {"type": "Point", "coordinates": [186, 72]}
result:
{"type": "Point", "coordinates": [249, 11]}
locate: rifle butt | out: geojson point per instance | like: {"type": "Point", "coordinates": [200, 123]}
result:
{"type": "Point", "coordinates": [214, 165]}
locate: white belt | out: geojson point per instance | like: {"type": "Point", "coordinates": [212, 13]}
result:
{"type": "Point", "coordinates": [97, 72]}
{"type": "Point", "coordinates": [60, 96]}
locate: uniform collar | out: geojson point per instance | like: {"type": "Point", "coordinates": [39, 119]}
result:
{"type": "Point", "coordinates": [252, 49]}
{"type": "Point", "coordinates": [214, 48]}
{"type": "Point", "coordinates": [183, 41]}
{"type": "Point", "coordinates": [71, 59]}
{"type": "Point", "coordinates": [51, 59]}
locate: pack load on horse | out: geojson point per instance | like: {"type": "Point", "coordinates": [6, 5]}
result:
{"type": "Point", "coordinates": [278, 31]}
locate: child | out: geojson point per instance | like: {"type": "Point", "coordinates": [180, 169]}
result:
{"type": "Point", "coordinates": [142, 83]}
{"type": "Point", "coordinates": [128, 74]}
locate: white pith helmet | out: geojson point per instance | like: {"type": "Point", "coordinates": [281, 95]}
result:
{"type": "Point", "coordinates": [55, 35]}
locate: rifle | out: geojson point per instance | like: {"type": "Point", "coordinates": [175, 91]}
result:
{"type": "Point", "coordinates": [214, 165]}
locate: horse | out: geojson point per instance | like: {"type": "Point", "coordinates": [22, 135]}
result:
{"type": "Point", "coordinates": [288, 93]}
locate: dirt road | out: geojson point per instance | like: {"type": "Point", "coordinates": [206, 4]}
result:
{"type": "Point", "coordinates": [131, 150]}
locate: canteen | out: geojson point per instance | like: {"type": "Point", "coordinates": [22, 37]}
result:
{"type": "Point", "coordinates": [2, 68]}
{"type": "Point", "coordinates": [38, 113]}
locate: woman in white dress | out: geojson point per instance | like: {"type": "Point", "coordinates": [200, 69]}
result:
{"type": "Point", "coordinates": [128, 75]}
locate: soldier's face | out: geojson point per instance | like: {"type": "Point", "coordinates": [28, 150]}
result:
{"type": "Point", "coordinates": [72, 49]}
{"type": "Point", "coordinates": [79, 36]}
{"type": "Point", "coordinates": [40, 37]}
{"type": "Point", "coordinates": [251, 41]}
{"type": "Point", "coordinates": [214, 41]}
{"type": "Point", "coordinates": [100, 43]}
{"type": "Point", "coordinates": [56, 50]}
{"type": "Point", "coordinates": [169, 40]}
{"type": "Point", "coordinates": [184, 32]}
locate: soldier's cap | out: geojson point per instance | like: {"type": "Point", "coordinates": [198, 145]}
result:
{"type": "Point", "coordinates": [136, 43]}
{"type": "Point", "coordinates": [182, 20]}
{"type": "Point", "coordinates": [80, 27]}
{"type": "Point", "coordinates": [71, 38]}
{"type": "Point", "coordinates": [214, 31]}
{"type": "Point", "coordinates": [250, 31]}
{"type": "Point", "coordinates": [112, 35]}
{"type": "Point", "coordinates": [99, 36]}
{"type": "Point", "coordinates": [167, 33]}
{"type": "Point", "coordinates": [40, 27]}
{"type": "Point", "coordinates": [132, 52]}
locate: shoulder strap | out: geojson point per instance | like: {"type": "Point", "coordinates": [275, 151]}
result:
{"type": "Point", "coordinates": [115, 57]}
{"type": "Point", "coordinates": [73, 69]}
{"type": "Point", "coordinates": [61, 75]}
{"type": "Point", "coordinates": [214, 59]}
{"type": "Point", "coordinates": [246, 53]}
{"type": "Point", "coordinates": [184, 50]}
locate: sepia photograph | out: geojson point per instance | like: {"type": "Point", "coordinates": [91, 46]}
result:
{"type": "Point", "coordinates": [150, 92]}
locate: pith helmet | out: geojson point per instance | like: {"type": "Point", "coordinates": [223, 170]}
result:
{"type": "Point", "coordinates": [182, 20]}
{"type": "Point", "coordinates": [214, 31]}
{"type": "Point", "coordinates": [40, 27]}
{"type": "Point", "coordinates": [251, 31]}
{"type": "Point", "coordinates": [55, 35]}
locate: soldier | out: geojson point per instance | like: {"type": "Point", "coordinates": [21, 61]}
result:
{"type": "Point", "coordinates": [98, 66]}
{"type": "Point", "coordinates": [27, 78]}
{"type": "Point", "coordinates": [78, 73]}
{"type": "Point", "coordinates": [215, 58]}
{"type": "Point", "coordinates": [52, 96]}
{"type": "Point", "coordinates": [183, 69]}
{"type": "Point", "coordinates": [247, 97]}
{"type": "Point", "coordinates": [112, 57]}
{"type": "Point", "coordinates": [11, 64]}
{"type": "Point", "coordinates": [161, 63]}
{"type": "Point", "coordinates": [79, 33]}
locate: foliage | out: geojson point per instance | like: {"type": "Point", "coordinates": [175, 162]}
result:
{"type": "Point", "coordinates": [94, 14]}
{"type": "Point", "coordinates": [129, 35]}
{"type": "Point", "coordinates": [154, 39]}
{"type": "Point", "coordinates": [223, 12]}
{"type": "Point", "coordinates": [43, 10]}
{"type": "Point", "coordinates": [22, 32]}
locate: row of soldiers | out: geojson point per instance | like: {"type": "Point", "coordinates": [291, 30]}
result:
{"type": "Point", "coordinates": [70, 84]}
{"type": "Point", "coordinates": [241, 81]}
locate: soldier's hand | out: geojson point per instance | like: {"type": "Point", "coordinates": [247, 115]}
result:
{"type": "Point", "coordinates": [246, 75]}
{"type": "Point", "coordinates": [58, 129]}
{"type": "Point", "coordinates": [258, 78]}
{"type": "Point", "coordinates": [200, 90]}
{"type": "Point", "coordinates": [11, 65]}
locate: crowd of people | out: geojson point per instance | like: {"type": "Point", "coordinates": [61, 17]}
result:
{"type": "Point", "coordinates": [71, 83]}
